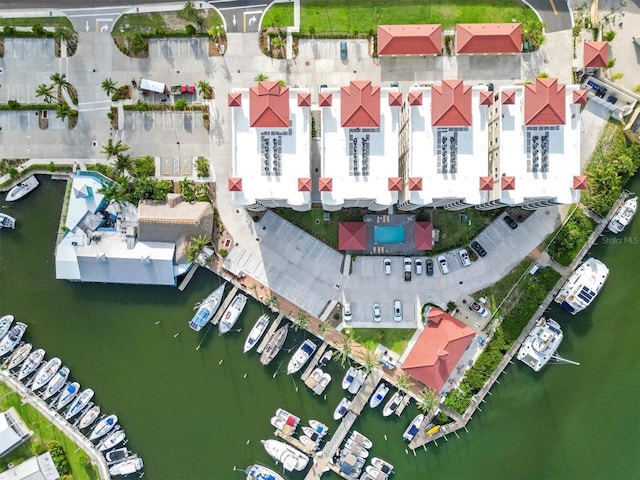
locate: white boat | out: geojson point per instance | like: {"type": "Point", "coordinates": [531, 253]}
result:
{"type": "Point", "coordinates": [20, 190]}
{"type": "Point", "coordinates": [256, 332]}
{"type": "Point", "coordinates": [623, 216]}
{"type": "Point", "coordinates": [319, 427]}
{"type": "Point", "coordinates": [366, 476]}
{"type": "Point", "coordinates": [31, 363]}
{"type": "Point", "coordinates": [341, 409]}
{"type": "Point", "coordinates": [232, 313]}
{"type": "Point", "coordinates": [207, 308]}
{"type": "Point", "coordinates": [325, 379]}
{"type": "Point", "coordinates": [103, 427]}
{"type": "Point", "coordinates": [128, 466]}
{"type": "Point", "coordinates": [117, 455]}
{"type": "Point", "coordinates": [351, 465]}
{"type": "Point", "coordinates": [382, 465]}
{"type": "Point", "coordinates": [378, 395]}
{"type": "Point", "coordinates": [392, 405]}
{"type": "Point", "coordinates": [79, 404]}
{"type": "Point", "coordinates": [89, 416]}
{"type": "Point", "coordinates": [311, 434]}
{"type": "Point", "coordinates": [7, 221]}
{"type": "Point", "coordinates": [46, 373]}
{"type": "Point", "coordinates": [301, 356]}
{"type": "Point", "coordinates": [291, 458]}
{"type": "Point", "coordinates": [355, 448]}
{"type": "Point", "coordinates": [311, 443]}
{"type": "Point", "coordinates": [359, 379]}
{"type": "Point", "coordinates": [326, 357]}
{"type": "Point", "coordinates": [413, 428]}
{"type": "Point", "coordinates": [19, 356]}
{"type": "Point", "coordinates": [360, 439]}
{"type": "Point", "coordinates": [56, 383]}
{"type": "Point", "coordinates": [375, 473]}
{"type": "Point", "coordinates": [314, 378]}
{"type": "Point", "coordinates": [285, 421]}
{"type": "Point", "coordinates": [11, 339]}
{"type": "Point", "coordinates": [583, 286]}
{"type": "Point", "coordinates": [68, 393]}
{"type": "Point", "coordinates": [541, 343]}
{"type": "Point", "coordinates": [5, 324]}
{"type": "Point", "coordinates": [274, 345]}
{"type": "Point", "coordinates": [260, 472]}
{"type": "Point", "coordinates": [349, 377]}
{"type": "Point", "coordinates": [112, 440]}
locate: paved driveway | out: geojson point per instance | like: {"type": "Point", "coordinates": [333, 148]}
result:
{"type": "Point", "coordinates": [555, 14]}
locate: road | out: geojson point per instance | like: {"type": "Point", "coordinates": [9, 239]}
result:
{"type": "Point", "coordinates": [555, 14]}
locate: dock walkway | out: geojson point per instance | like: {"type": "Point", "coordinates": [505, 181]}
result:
{"type": "Point", "coordinates": [314, 361]}
{"type": "Point", "coordinates": [216, 318]}
{"type": "Point", "coordinates": [272, 329]}
{"type": "Point", "coordinates": [365, 392]}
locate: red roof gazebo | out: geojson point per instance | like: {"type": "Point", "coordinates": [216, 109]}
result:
{"type": "Point", "coordinates": [352, 236]}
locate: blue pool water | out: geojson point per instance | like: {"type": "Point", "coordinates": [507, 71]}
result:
{"type": "Point", "coordinates": [388, 233]}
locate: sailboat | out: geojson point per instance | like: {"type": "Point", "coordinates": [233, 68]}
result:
{"type": "Point", "coordinates": [207, 309]}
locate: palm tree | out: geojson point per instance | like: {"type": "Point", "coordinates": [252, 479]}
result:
{"type": "Point", "coordinates": [60, 79]}
{"type": "Point", "coordinates": [324, 328]}
{"type": "Point", "coordinates": [261, 77]}
{"type": "Point", "coordinates": [273, 303]}
{"type": "Point", "coordinates": [427, 399]}
{"type": "Point", "coordinates": [191, 14]}
{"type": "Point", "coordinates": [114, 149]}
{"type": "Point", "coordinates": [45, 91]}
{"type": "Point", "coordinates": [403, 380]}
{"type": "Point", "coordinates": [206, 90]}
{"type": "Point", "coordinates": [344, 350]}
{"type": "Point", "coordinates": [109, 86]}
{"type": "Point", "coordinates": [371, 361]}
{"type": "Point", "coordinates": [282, 83]}
{"type": "Point", "coordinates": [113, 192]}
{"type": "Point", "coordinates": [195, 249]}
{"type": "Point", "coordinates": [124, 164]}
{"type": "Point", "coordinates": [63, 33]}
{"type": "Point", "coordinates": [62, 111]}
{"type": "Point", "coordinates": [301, 320]}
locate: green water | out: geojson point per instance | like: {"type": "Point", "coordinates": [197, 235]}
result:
{"type": "Point", "coordinates": [197, 414]}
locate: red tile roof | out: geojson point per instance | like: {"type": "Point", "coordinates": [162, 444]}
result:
{"type": "Point", "coordinates": [486, 98]}
{"type": "Point", "coordinates": [508, 97]}
{"type": "Point", "coordinates": [304, 184]}
{"type": "Point", "coordinates": [304, 99]}
{"type": "Point", "coordinates": [415, 183]}
{"type": "Point", "coordinates": [395, 184]}
{"type": "Point", "coordinates": [234, 99]}
{"type": "Point", "coordinates": [395, 99]}
{"type": "Point", "coordinates": [325, 99]}
{"type": "Point", "coordinates": [486, 183]}
{"type": "Point", "coordinates": [423, 236]}
{"type": "Point", "coordinates": [325, 184]}
{"type": "Point", "coordinates": [580, 97]}
{"type": "Point", "coordinates": [235, 184]}
{"type": "Point", "coordinates": [451, 104]}
{"type": "Point", "coordinates": [580, 182]}
{"type": "Point", "coordinates": [352, 236]}
{"type": "Point", "coordinates": [269, 105]}
{"type": "Point", "coordinates": [488, 38]}
{"type": "Point", "coordinates": [415, 98]}
{"type": "Point", "coordinates": [438, 349]}
{"type": "Point", "coordinates": [544, 102]}
{"type": "Point", "coordinates": [508, 183]}
{"type": "Point", "coordinates": [360, 105]}
{"type": "Point", "coordinates": [596, 54]}
{"type": "Point", "coordinates": [409, 39]}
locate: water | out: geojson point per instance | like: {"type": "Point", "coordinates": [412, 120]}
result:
{"type": "Point", "coordinates": [388, 234]}
{"type": "Point", "coordinates": [197, 414]}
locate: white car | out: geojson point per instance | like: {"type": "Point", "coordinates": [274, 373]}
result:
{"type": "Point", "coordinates": [418, 266]}
{"type": "Point", "coordinates": [377, 313]}
{"type": "Point", "coordinates": [442, 263]}
{"type": "Point", "coordinates": [387, 266]}
{"type": "Point", "coordinates": [346, 312]}
{"type": "Point", "coordinates": [464, 257]}
{"type": "Point", "coordinates": [479, 309]}
{"type": "Point", "coordinates": [397, 310]}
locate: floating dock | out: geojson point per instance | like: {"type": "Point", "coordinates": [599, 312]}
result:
{"type": "Point", "coordinates": [216, 318]}
{"type": "Point", "coordinates": [272, 329]}
{"type": "Point", "coordinates": [314, 362]}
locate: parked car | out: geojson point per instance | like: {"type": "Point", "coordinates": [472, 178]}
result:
{"type": "Point", "coordinates": [407, 262]}
{"type": "Point", "coordinates": [397, 310]}
{"type": "Point", "coordinates": [377, 313]}
{"type": "Point", "coordinates": [343, 50]}
{"type": "Point", "coordinates": [418, 266]}
{"type": "Point", "coordinates": [346, 312]}
{"type": "Point", "coordinates": [511, 222]}
{"type": "Point", "coordinates": [479, 309]}
{"type": "Point", "coordinates": [479, 249]}
{"type": "Point", "coordinates": [387, 266]}
{"type": "Point", "coordinates": [442, 263]}
{"type": "Point", "coordinates": [395, 84]}
{"type": "Point", "coordinates": [429, 263]}
{"type": "Point", "coordinates": [464, 257]}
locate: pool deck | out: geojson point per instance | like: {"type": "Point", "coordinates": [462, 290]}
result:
{"type": "Point", "coordinates": [407, 221]}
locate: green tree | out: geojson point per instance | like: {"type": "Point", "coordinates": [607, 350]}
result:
{"type": "Point", "coordinates": [371, 361]}
{"type": "Point", "coordinates": [60, 80]}
{"type": "Point", "coordinates": [344, 349]}
{"type": "Point", "coordinates": [301, 320]}
{"type": "Point", "coordinates": [63, 110]}
{"type": "Point", "coordinates": [324, 328]}
{"type": "Point", "coordinates": [37, 29]}
{"type": "Point", "coordinates": [135, 41]}
{"type": "Point", "coordinates": [114, 149]}
{"type": "Point", "coordinates": [609, 36]}
{"type": "Point", "coordinates": [195, 249]}
{"type": "Point", "coordinates": [109, 86]}
{"type": "Point", "coordinates": [142, 106]}
{"type": "Point", "coordinates": [427, 399]}
{"type": "Point", "coordinates": [123, 165]}
{"type": "Point", "coordinates": [63, 33]}
{"type": "Point", "coordinates": [113, 192]}
{"type": "Point", "coordinates": [187, 191]}
{"type": "Point", "coordinates": [282, 83]}
{"type": "Point", "coordinates": [181, 104]}
{"type": "Point", "coordinates": [205, 90]}
{"type": "Point", "coordinates": [190, 13]}
{"type": "Point", "coordinates": [403, 380]}
{"type": "Point", "coordinates": [273, 303]}
{"type": "Point", "coordinates": [611, 63]}
{"type": "Point", "coordinates": [46, 92]}
{"type": "Point", "coordinates": [261, 77]}
{"type": "Point", "coordinates": [143, 167]}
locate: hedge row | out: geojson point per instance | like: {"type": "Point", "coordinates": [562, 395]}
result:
{"type": "Point", "coordinates": [28, 106]}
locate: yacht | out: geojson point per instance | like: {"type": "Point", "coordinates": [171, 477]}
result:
{"type": "Point", "coordinates": [378, 395]}
{"type": "Point", "coordinates": [623, 216]}
{"type": "Point", "coordinates": [68, 394]}
{"type": "Point", "coordinates": [103, 427]}
{"type": "Point", "coordinates": [232, 313]}
{"type": "Point", "coordinates": [117, 455]}
{"type": "Point", "coordinates": [260, 472]}
{"type": "Point", "coordinates": [127, 466]}
{"type": "Point", "coordinates": [413, 428]}
{"type": "Point", "coordinates": [314, 378]}
{"type": "Point", "coordinates": [207, 308]}
{"type": "Point", "coordinates": [320, 428]}
{"type": "Point", "coordinates": [5, 324]}
{"type": "Point", "coordinates": [341, 409]}
{"type": "Point", "coordinates": [392, 405]}
{"type": "Point", "coordinates": [22, 189]}
{"type": "Point", "coordinates": [382, 465]}
{"type": "Point", "coordinates": [274, 345]}
{"type": "Point", "coordinates": [349, 377]}
{"type": "Point", "coordinates": [301, 356]}
{"type": "Point", "coordinates": [11, 339]}
{"type": "Point", "coordinates": [285, 421]}
{"type": "Point", "coordinates": [256, 332]}
{"type": "Point", "coordinates": [290, 457]}
{"type": "Point", "coordinates": [56, 383]}
{"type": "Point", "coordinates": [583, 286]}
{"type": "Point", "coordinates": [19, 356]}
{"type": "Point", "coordinates": [322, 384]}
{"type": "Point", "coordinates": [541, 343]}
{"type": "Point", "coordinates": [79, 404]}
{"type": "Point", "coordinates": [360, 439]}
{"type": "Point", "coordinates": [112, 440]}
{"type": "Point", "coordinates": [7, 221]}
{"type": "Point", "coordinates": [46, 373]}
{"type": "Point", "coordinates": [32, 362]}
{"type": "Point", "coordinates": [358, 380]}
{"type": "Point", "coordinates": [89, 416]}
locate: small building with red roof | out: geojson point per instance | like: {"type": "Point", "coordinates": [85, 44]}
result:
{"type": "Point", "coordinates": [271, 146]}
{"type": "Point", "coordinates": [352, 236]}
{"type": "Point", "coordinates": [595, 54]}
{"type": "Point", "coordinates": [409, 40]}
{"type": "Point", "coordinates": [438, 350]}
{"type": "Point", "coordinates": [495, 38]}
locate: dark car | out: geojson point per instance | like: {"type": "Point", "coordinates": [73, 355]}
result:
{"type": "Point", "coordinates": [429, 268]}
{"type": "Point", "coordinates": [479, 249]}
{"type": "Point", "coordinates": [511, 222]}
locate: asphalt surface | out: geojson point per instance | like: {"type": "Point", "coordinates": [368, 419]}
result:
{"type": "Point", "coordinates": [555, 14]}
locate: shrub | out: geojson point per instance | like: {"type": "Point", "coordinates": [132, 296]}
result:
{"type": "Point", "coordinates": [190, 29]}
{"type": "Point", "coordinates": [144, 167]}
{"type": "Point", "coordinates": [181, 104]}
{"type": "Point", "coordinates": [59, 457]}
{"type": "Point", "coordinates": [609, 36]}
{"type": "Point", "coordinates": [205, 116]}
{"type": "Point", "coordinates": [13, 104]}
{"type": "Point", "coordinates": [223, 252]}
{"type": "Point", "coordinates": [202, 166]}
{"type": "Point", "coordinates": [617, 76]}
{"type": "Point", "coordinates": [38, 29]}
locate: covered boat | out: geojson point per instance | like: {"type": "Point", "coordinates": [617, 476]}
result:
{"type": "Point", "coordinates": [127, 466]}
{"type": "Point", "coordinates": [23, 188]}
{"type": "Point", "coordinates": [583, 286]}
{"type": "Point", "coordinates": [11, 339]}
{"type": "Point", "coordinates": [274, 345]}
{"type": "Point", "coordinates": [378, 395]}
{"type": "Point", "coordinates": [56, 383]}
{"type": "Point", "coordinates": [46, 373]}
{"type": "Point", "coordinates": [207, 309]}
{"type": "Point", "coordinates": [301, 356]}
{"type": "Point", "coordinates": [541, 343]}
{"type": "Point", "coordinates": [392, 405]}
{"type": "Point", "coordinates": [103, 427]}
{"type": "Point", "coordinates": [68, 394]}
{"type": "Point", "coordinates": [623, 216]}
{"type": "Point", "coordinates": [260, 472]}
{"type": "Point", "coordinates": [7, 221]}
{"type": "Point", "coordinates": [413, 428]}
{"type": "Point", "coordinates": [256, 332]}
{"type": "Point", "coordinates": [285, 421]}
{"type": "Point", "coordinates": [232, 313]}
{"type": "Point", "coordinates": [32, 362]}
{"type": "Point", "coordinates": [291, 458]}
{"type": "Point", "coordinates": [19, 356]}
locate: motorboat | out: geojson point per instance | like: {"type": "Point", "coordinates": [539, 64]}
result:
{"type": "Point", "coordinates": [301, 356]}
{"type": "Point", "coordinates": [5, 324]}
{"type": "Point", "coordinates": [79, 404]}
{"type": "Point", "coordinates": [623, 216]}
{"type": "Point", "coordinates": [291, 458]}
{"type": "Point", "coordinates": [349, 377]}
{"type": "Point", "coordinates": [431, 429]}
{"type": "Point", "coordinates": [207, 308]}
{"type": "Point", "coordinates": [358, 380]}
{"type": "Point", "coordinates": [378, 395]}
{"type": "Point", "coordinates": [32, 362]}
{"type": "Point", "coordinates": [285, 421]}
{"type": "Point", "coordinates": [541, 343]}
{"type": "Point", "coordinates": [117, 455]}
{"type": "Point", "coordinates": [375, 473]}
{"type": "Point", "coordinates": [356, 448]}
{"type": "Point", "coordinates": [103, 427]}
{"type": "Point", "coordinates": [314, 378]}
{"type": "Point", "coordinates": [583, 286]}
{"type": "Point", "coordinates": [311, 443]}
{"type": "Point", "coordinates": [274, 345]}
{"type": "Point", "coordinates": [19, 355]}
{"type": "Point", "coordinates": [260, 472]}
{"type": "Point", "coordinates": [318, 427]}
{"type": "Point", "coordinates": [359, 438]}
{"type": "Point", "coordinates": [23, 188]}
{"type": "Point", "coordinates": [322, 385]}
{"type": "Point", "coordinates": [12, 338]}
{"type": "Point", "coordinates": [112, 440]}
{"type": "Point", "coordinates": [392, 405]}
{"type": "Point", "coordinates": [311, 434]}
{"type": "Point", "coordinates": [7, 221]}
{"type": "Point", "coordinates": [351, 465]}
{"type": "Point", "coordinates": [413, 428]}
{"type": "Point", "coordinates": [256, 332]}
{"type": "Point", "coordinates": [382, 465]}
{"type": "Point", "coordinates": [127, 466]}
{"type": "Point", "coordinates": [232, 313]}
{"type": "Point", "coordinates": [56, 383]}
{"type": "Point", "coordinates": [326, 357]}
{"type": "Point", "coordinates": [68, 394]}
{"type": "Point", "coordinates": [89, 416]}
{"type": "Point", "coordinates": [366, 476]}
{"type": "Point", "coordinates": [46, 373]}
{"type": "Point", "coordinates": [341, 409]}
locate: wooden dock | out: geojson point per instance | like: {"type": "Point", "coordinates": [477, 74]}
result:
{"type": "Point", "coordinates": [187, 278]}
{"type": "Point", "coordinates": [314, 361]}
{"type": "Point", "coordinates": [216, 318]}
{"type": "Point", "coordinates": [365, 392]}
{"type": "Point", "coordinates": [272, 329]}
{"type": "Point", "coordinates": [403, 404]}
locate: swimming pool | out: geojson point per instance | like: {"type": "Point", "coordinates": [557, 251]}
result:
{"type": "Point", "coordinates": [388, 234]}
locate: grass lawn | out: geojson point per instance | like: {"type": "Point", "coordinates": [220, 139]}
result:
{"type": "Point", "coordinates": [458, 228]}
{"type": "Point", "coordinates": [168, 21]}
{"type": "Point", "coordinates": [363, 16]}
{"type": "Point", "coordinates": [395, 339]}
{"type": "Point", "coordinates": [499, 290]}
{"type": "Point", "coordinates": [44, 21]}
{"type": "Point", "coordinates": [43, 433]}
{"type": "Point", "coordinates": [313, 222]}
